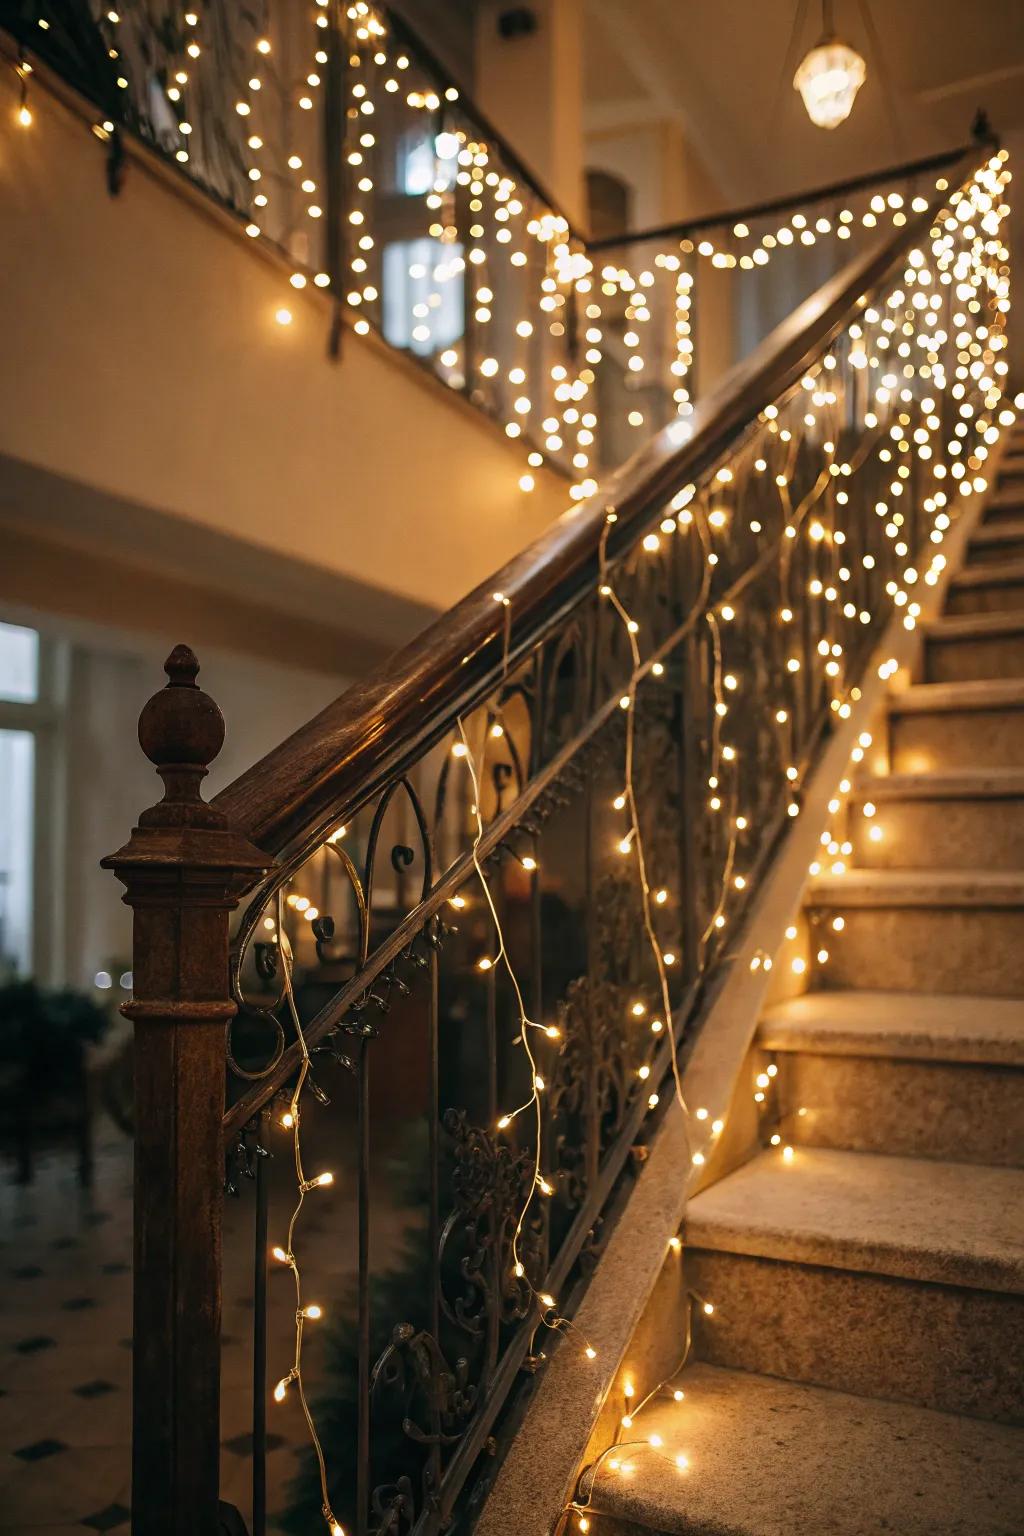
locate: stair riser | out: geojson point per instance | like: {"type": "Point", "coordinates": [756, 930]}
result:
{"type": "Point", "coordinates": [970, 661]}
{"type": "Point", "coordinates": [1002, 597]}
{"type": "Point", "coordinates": [945, 1347]}
{"type": "Point", "coordinates": [926, 949]}
{"type": "Point", "coordinates": [941, 834]}
{"type": "Point", "coordinates": [981, 738]}
{"type": "Point", "coordinates": [981, 552]}
{"type": "Point", "coordinates": [955, 1111]}
{"type": "Point", "coordinates": [997, 516]}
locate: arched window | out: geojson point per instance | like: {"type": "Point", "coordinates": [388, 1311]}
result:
{"type": "Point", "coordinates": [609, 204]}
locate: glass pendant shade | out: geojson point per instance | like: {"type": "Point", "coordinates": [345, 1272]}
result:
{"type": "Point", "coordinates": [828, 80]}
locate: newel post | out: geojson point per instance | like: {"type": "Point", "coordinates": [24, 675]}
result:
{"type": "Point", "coordinates": [184, 870]}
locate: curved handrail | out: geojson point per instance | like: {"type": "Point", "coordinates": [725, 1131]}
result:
{"type": "Point", "coordinates": [682, 228]}
{"type": "Point", "coordinates": [334, 761]}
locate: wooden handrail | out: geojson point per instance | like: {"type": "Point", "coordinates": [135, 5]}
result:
{"type": "Point", "coordinates": [334, 762]}
{"type": "Point", "coordinates": [682, 228]}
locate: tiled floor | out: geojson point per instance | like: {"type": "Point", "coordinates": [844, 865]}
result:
{"type": "Point", "coordinates": [65, 1341]}
{"type": "Point", "coordinates": [65, 1326]}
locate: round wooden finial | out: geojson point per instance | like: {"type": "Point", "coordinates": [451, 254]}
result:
{"type": "Point", "coordinates": [182, 667]}
{"type": "Point", "coordinates": [181, 730]}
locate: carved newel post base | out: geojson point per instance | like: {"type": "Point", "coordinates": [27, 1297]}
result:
{"type": "Point", "coordinates": [184, 870]}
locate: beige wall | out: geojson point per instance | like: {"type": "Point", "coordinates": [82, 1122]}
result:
{"type": "Point", "coordinates": [142, 359]}
{"type": "Point", "coordinates": [668, 178]}
{"type": "Point", "coordinates": [531, 89]}
{"type": "Point", "coordinates": [102, 780]}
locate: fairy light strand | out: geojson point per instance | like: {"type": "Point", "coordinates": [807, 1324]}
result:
{"type": "Point", "coordinates": [633, 842]}
{"type": "Point", "coordinates": [549, 1315]}
{"type": "Point", "coordinates": [286, 1255]}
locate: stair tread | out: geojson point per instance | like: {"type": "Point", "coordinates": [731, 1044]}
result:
{"type": "Point", "coordinates": [920, 1026]}
{"type": "Point", "coordinates": [914, 1218]}
{"type": "Point", "coordinates": [1006, 532]}
{"type": "Point", "coordinates": [990, 573]}
{"type": "Point", "coordinates": [959, 784]}
{"type": "Point", "coordinates": [975, 626]}
{"type": "Point", "coordinates": [770, 1457]}
{"type": "Point", "coordinates": [919, 888]}
{"type": "Point", "coordinates": [976, 694]}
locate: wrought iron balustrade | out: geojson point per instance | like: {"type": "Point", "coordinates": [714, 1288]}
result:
{"type": "Point", "coordinates": [486, 892]}
{"type": "Point", "coordinates": [334, 137]}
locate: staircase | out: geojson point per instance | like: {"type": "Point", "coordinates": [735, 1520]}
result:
{"type": "Point", "coordinates": [864, 1362]}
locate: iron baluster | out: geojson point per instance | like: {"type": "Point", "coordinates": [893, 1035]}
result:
{"type": "Point", "coordinates": [364, 1465]}
{"type": "Point", "coordinates": [259, 1350]}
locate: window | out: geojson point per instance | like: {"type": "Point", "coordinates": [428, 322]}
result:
{"type": "Point", "coordinates": [427, 162]}
{"type": "Point", "coordinates": [423, 287]}
{"type": "Point", "coordinates": [31, 749]}
{"type": "Point", "coordinates": [17, 794]}
{"type": "Point", "coordinates": [19, 663]}
{"type": "Point", "coordinates": [609, 205]}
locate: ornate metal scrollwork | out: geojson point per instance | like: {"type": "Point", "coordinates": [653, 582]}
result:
{"type": "Point", "coordinates": [490, 1186]}
{"type": "Point", "coordinates": [592, 1084]}
{"type": "Point", "coordinates": [258, 980]}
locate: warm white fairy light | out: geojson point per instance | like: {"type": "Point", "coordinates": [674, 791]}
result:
{"type": "Point", "coordinates": [539, 1184]}
{"type": "Point", "coordinates": [285, 1254]}
{"type": "Point", "coordinates": [896, 339]}
{"type": "Point", "coordinates": [971, 270]}
{"type": "Point", "coordinates": [618, 1458]}
{"type": "Point", "coordinates": [552, 409]}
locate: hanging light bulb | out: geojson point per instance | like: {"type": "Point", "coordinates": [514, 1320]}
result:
{"type": "Point", "coordinates": [830, 76]}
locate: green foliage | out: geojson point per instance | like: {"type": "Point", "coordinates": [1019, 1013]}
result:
{"type": "Point", "coordinates": [44, 1032]}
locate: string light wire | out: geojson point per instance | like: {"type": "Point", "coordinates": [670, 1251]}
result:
{"type": "Point", "coordinates": [286, 1255]}
{"type": "Point", "coordinates": [549, 1315]}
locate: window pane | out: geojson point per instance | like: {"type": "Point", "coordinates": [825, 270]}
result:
{"type": "Point", "coordinates": [17, 756]}
{"type": "Point", "coordinates": [19, 663]}
{"type": "Point", "coordinates": [422, 294]}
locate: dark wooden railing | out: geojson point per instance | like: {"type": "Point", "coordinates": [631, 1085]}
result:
{"type": "Point", "coordinates": [756, 572]}
{"type": "Point", "coordinates": [411, 698]}
{"type": "Point", "coordinates": [835, 192]}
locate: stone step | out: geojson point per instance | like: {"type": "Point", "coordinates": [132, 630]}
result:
{"type": "Point", "coordinates": [939, 820]}
{"type": "Point", "coordinates": [892, 1277]}
{"type": "Point", "coordinates": [974, 646]}
{"type": "Point", "coordinates": [935, 727]}
{"type": "Point", "coordinates": [898, 1217]}
{"type": "Point", "coordinates": [955, 931]}
{"type": "Point", "coordinates": [772, 1458]}
{"type": "Point", "coordinates": [997, 541]}
{"type": "Point", "coordinates": [929, 1026]}
{"type": "Point", "coordinates": [871, 1097]}
{"type": "Point", "coordinates": [992, 587]}
{"type": "Point", "coordinates": [1006, 505]}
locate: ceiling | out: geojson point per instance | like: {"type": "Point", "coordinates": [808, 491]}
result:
{"type": "Point", "coordinates": [722, 69]}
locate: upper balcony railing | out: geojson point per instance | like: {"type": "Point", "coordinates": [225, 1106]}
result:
{"type": "Point", "coordinates": [335, 138]}
{"type": "Point", "coordinates": [486, 892]}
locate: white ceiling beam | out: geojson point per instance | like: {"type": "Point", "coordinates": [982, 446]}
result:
{"type": "Point", "coordinates": [679, 91]}
{"type": "Point", "coordinates": [970, 84]}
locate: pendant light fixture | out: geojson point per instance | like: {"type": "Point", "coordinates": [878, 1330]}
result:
{"type": "Point", "coordinates": [830, 76]}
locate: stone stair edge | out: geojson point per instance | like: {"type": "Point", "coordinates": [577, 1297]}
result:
{"type": "Point", "coordinates": [762, 1461]}
{"type": "Point", "coordinates": [959, 697]}
{"type": "Point", "coordinates": [897, 1026]}
{"type": "Point", "coordinates": [918, 888]}
{"type": "Point", "coordinates": [898, 1217]}
{"type": "Point", "coordinates": [955, 784]}
{"type": "Point", "coordinates": [1002, 573]}
{"type": "Point", "coordinates": [974, 626]}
